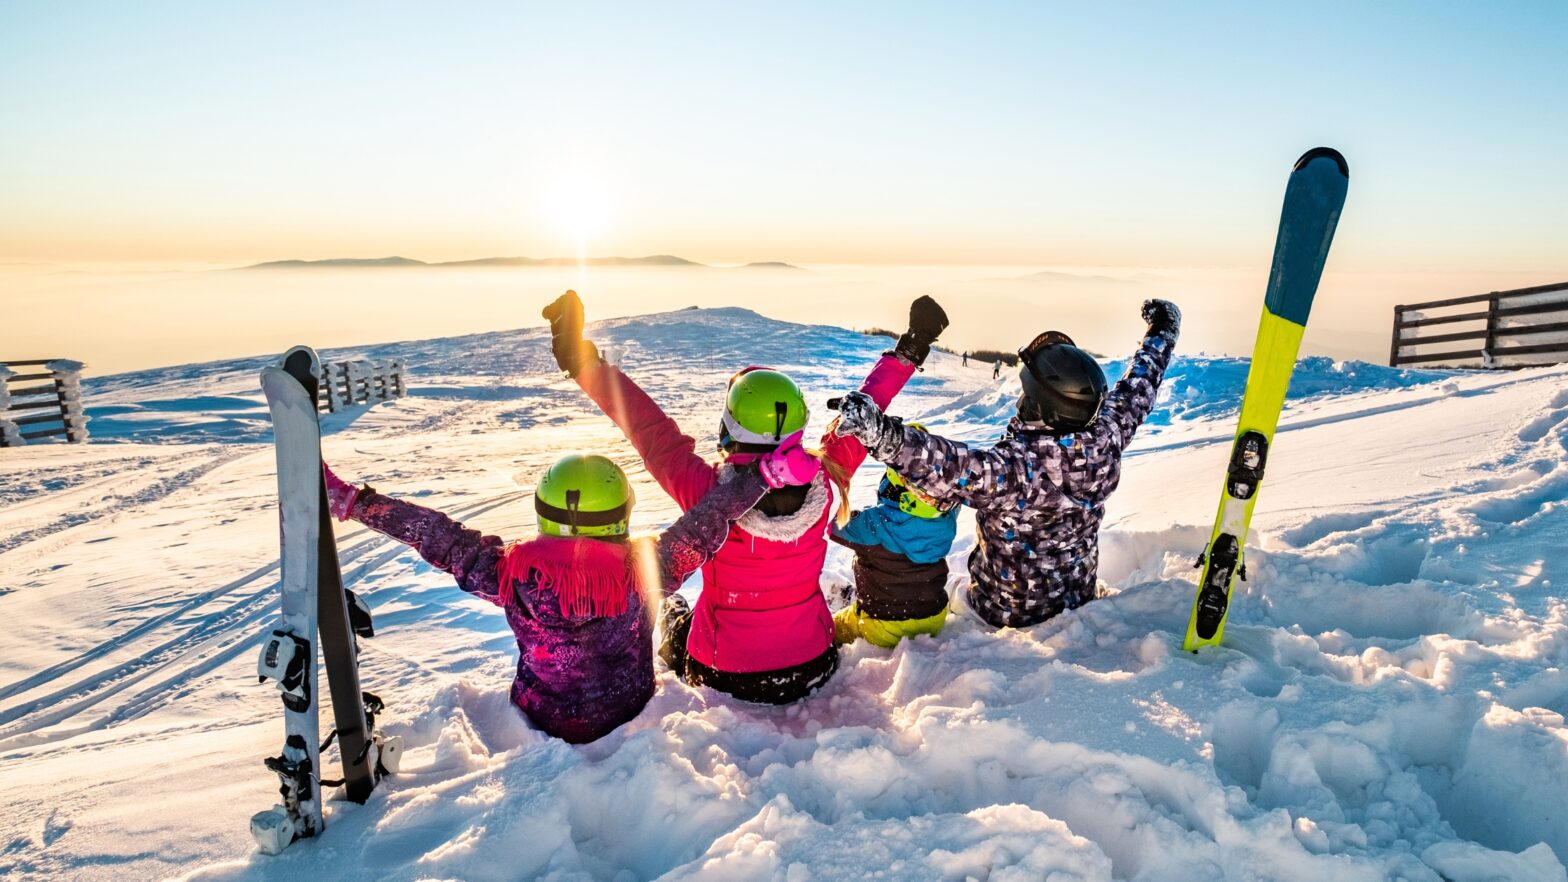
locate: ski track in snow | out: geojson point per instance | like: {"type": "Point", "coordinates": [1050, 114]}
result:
{"type": "Point", "coordinates": [1388, 704]}
{"type": "Point", "coordinates": [247, 610]}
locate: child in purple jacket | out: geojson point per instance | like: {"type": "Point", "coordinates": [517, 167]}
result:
{"type": "Point", "coordinates": [575, 595]}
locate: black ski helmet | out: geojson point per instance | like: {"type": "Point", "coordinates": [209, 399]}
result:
{"type": "Point", "coordinates": [1063, 385]}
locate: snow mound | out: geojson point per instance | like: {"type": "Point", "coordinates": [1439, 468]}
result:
{"type": "Point", "coordinates": [1389, 702]}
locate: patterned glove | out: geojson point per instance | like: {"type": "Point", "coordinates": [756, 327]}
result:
{"type": "Point", "coordinates": [927, 321]}
{"type": "Point", "coordinates": [1163, 316]}
{"type": "Point", "coordinates": [340, 494]}
{"type": "Point", "coordinates": [860, 417]}
{"type": "Point", "coordinates": [789, 465]}
{"type": "Point", "coordinates": [572, 352]}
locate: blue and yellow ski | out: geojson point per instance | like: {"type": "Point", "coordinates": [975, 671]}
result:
{"type": "Point", "coordinates": [1313, 200]}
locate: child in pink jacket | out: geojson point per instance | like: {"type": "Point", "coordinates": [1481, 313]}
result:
{"type": "Point", "coordinates": [761, 629]}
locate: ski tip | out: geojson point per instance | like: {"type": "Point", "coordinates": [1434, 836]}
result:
{"type": "Point", "coordinates": [1323, 153]}
{"type": "Point", "coordinates": [269, 371]}
{"type": "Point", "coordinates": [301, 361]}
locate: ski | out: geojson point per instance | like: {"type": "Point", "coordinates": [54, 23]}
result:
{"type": "Point", "coordinates": [288, 653]}
{"type": "Point", "coordinates": [1314, 198]}
{"type": "Point", "coordinates": [338, 631]}
{"type": "Point", "coordinates": [316, 608]}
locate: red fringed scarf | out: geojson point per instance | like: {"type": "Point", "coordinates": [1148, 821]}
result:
{"type": "Point", "coordinates": [589, 577]}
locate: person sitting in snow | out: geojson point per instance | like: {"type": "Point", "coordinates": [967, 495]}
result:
{"type": "Point", "coordinates": [761, 630]}
{"type": "Point", "coordinates": [574, 594]}
{"type": "Point", "coordinates": [1039, 493]}
{"type": "Point", "coordinates": [900, 546]}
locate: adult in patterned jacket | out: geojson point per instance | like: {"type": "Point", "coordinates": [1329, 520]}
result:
{"type": "Point", "coordinates": [1039, 493]}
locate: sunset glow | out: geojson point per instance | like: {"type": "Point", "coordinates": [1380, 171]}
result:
{"type": "Point", "coordinates": [894, 149]}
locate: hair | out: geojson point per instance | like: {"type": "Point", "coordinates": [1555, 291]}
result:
{"type": "Point", "coordinates": [838, 476]}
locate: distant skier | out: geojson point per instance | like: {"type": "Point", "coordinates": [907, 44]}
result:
{"type": "Point", "coordinates": [901, 547]}
{"type": "Point", "coordinates": [1039, 493]}
{"type": "Point", "coordinates": [574, 594]}
{"type": "Point", "coordinates": [761, 629]}
{"type": "Point", "coordinates": [966, 358]}
{"type": "Point", "coordinates": [996, 368]}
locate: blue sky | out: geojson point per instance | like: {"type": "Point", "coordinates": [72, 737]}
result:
{"type": "Point", "coordinates": [1129, 134]}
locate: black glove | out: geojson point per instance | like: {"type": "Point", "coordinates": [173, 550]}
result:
{"type": "Point", "coordinates": [927, 321]}
{"type": "Point", "coordinates": [572, 352]}
{"type": "Point", "coordinates": [1163, 316]}
{"type": "Point", "coordinates": [859, 417]}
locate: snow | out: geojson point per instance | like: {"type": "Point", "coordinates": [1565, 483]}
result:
{"type": "Point", "coordinates": [1388, 704]}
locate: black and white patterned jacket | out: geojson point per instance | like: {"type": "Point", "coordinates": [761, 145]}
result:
{"type": "Point", "coordinates": [1038, 496]}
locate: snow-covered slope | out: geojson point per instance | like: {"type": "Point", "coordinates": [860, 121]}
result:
{"type": "Point", "coordinates": [1389, 703]}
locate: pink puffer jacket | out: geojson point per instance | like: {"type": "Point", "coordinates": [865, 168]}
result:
{"type": "Point", "coordinates": [761, 607]}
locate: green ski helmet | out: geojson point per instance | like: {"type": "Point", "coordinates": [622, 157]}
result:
{"type": "Point", "coordinates": [584, 495]}
{"type": "Point", "coordinates": [763, 407]}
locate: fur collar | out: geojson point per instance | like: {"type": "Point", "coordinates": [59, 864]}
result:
{"type": "Point", "coordinates": [589, 577]}
{"type": "Point", "coordinates": [785, 528]}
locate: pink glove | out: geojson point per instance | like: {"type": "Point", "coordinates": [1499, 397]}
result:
{"type": "Point", "coordinates": [789, 465]}
{"type": "Point", "coordinates": [340, 494]}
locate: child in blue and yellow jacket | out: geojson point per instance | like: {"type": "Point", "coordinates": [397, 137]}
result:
{"type": "Point", "coordinates": [901, 547]}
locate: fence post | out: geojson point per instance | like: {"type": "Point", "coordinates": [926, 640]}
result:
{"type": "Point", "coordinates": [356, 377]}
{"type": "Point", "coordinates": [341, 393]}
{"type": "Point", "coordinates": [10, 433]}
{"type": "Point", "coordinates": [339, 397]}
{"type": "Point", "coordinates": [329, 372]}
{"type": "Point", "coordinates": [68, 385]}
{"type": "Point", "coordinates": [398, 389]}
{"type": "Point", "coordinates": [1487, 359]}
{"type": "Point", "coordinates": [1393, 348]}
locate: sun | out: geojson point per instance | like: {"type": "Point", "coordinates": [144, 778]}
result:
{"type": "Point", "coordinates": [579, 207]}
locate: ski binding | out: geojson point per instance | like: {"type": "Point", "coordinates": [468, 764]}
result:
{"type": "Point", "coordinates": [284, 658]}
{"type": "Point", "coordinates": [277, 827]}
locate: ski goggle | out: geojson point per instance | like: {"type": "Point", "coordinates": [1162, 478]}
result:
{"type": "Point", "coordinates": [731, 431]}
{"type": "Point", "coordinates": [908, 499]}
{"type": "Point", "coordinates": [575, 519]}
{"type": "Point", "coordinates": [1044, 341]}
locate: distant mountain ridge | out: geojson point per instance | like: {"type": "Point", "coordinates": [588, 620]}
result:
{"type": "Point", "coordinates": [664, 260]}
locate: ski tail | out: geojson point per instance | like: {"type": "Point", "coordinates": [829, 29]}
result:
{"type": "Point", "coordinates": [1314, 198]}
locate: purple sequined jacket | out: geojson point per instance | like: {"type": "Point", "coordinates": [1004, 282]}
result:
{"type": "Point", "coordinates": [578, 676]}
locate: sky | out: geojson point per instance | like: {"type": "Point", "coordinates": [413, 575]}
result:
{"type": "Point", "coordinates": [1042, 134]}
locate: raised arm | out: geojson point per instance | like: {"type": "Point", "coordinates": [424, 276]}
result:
{"type": "Point", "coordinates": [883, 384]}
{"type": "Point", "coordinates": [891, 373]}
{"type": "Point", "coordinates": [1129, 402]}
{"type": "Point", "coordinates": [669, 454]}
{"type": "Point", "coordinates": [951, 471]}
{"type": "Point", "coordinates": [693, 539]}
{"type": "Point", "coordinates": [699, 533]}
{"type": "Point", "coordinates": [469, 556]}
{"type": "Point", "coordinates": [988, 478]}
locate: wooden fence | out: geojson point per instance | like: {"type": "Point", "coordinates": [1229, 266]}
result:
{"type": "Point", "coordinates": [347, 383]}
{"type": "Point", "coordinates": [1503, 329]}
{"type": "Point", "coordinates": [51, 408]}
